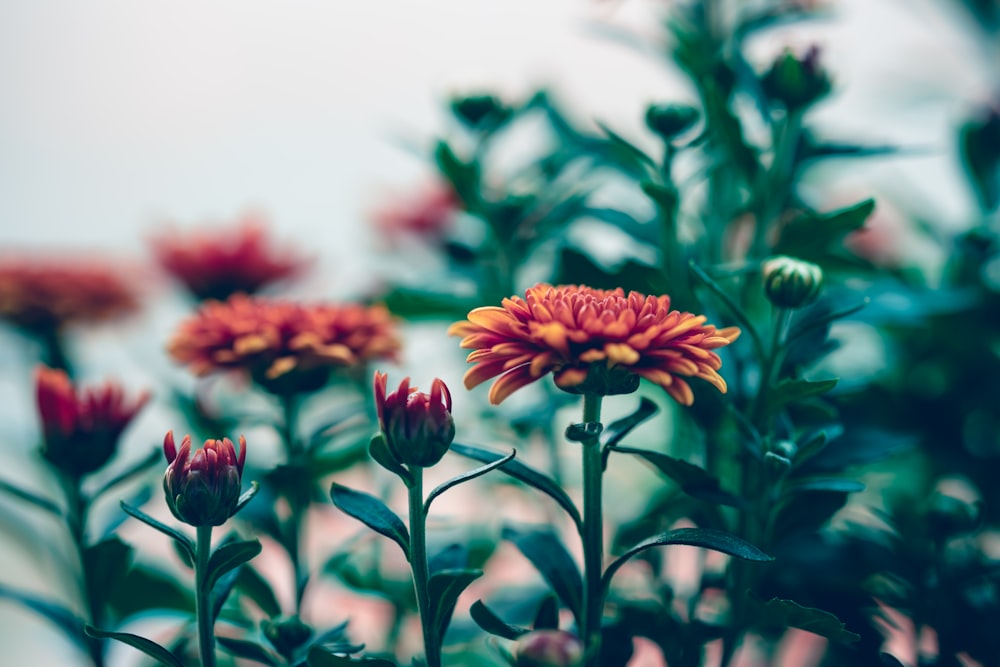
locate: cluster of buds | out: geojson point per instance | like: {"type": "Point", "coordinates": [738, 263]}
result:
{"type": "Point", "coordinates": [81, 430]}
{"type": "Point", "coordinates": [203, 489]}
{"type": "Point", "coordinates": [796, 82]}
{"type": "Point", "coordinates": [790, 282]}
{"type": "Point", "coordinates": [418, 428]}
{"type": "Point", "coordinates": [549, 648]}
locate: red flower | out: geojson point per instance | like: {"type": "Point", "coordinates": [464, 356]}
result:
{"type": "Point", "coordinates": [285, 346]}
{"type": "Point", "coordinates": [81, 431]}
{"type": "Point", "coordinates": [418, 427]}
{"type": "Point", "coordinates": [219, 263]}
{"type": "Point", "coordinates": [592, 340]}
{"type": "Point", "coordinates": [205, 490]}
{"type": "Point", "coordinates": [428, 214]}
{"type": "Point", "coordinates": [45, 294]}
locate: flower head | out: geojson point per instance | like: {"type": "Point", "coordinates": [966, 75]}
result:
{"type": "Point", "coordinates": [427, 214]}
{"type": "Point", "coordinates": [418, 427]}
{"type": "Point", "coordinates": [593, 341]}
{"type": "Point", "coordinates": [549, 648]}
{"type": "Point", "coordinates": [219, 263]}
{"type": "Point", "coordinates": [286, 347]}
{"type": "Point", "coordinates": [791, 282]}
{"type": "Point", "coordinates": [81, 430]}
{"type": "Point", "coordinates": [203, 490]}
{"type": "Point", "coordinates": [46, 294]}
{"type": "Point", "coordinates": [796, 82]}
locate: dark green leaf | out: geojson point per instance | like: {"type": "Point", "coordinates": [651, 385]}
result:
{"type": "Point", "coordinates": [147, 646]}
{"type": "Point", "coordinates": [786, 613]}
{"type": "Point", "coordinates": [443, 589]}
{"type": "Point", "coordinates": [692, 480]}
{"type": "Point", "coordinates": [813, 236]}
{"type": "Point", "coordinates": [813, 443]}
{"type": "Point", "coordinates": [666, 198]}
{"type": "Point", "coordinates": [61, 617]}
{"type": "Point", "coordinates": [320, 656]}
{"type": "Point", "coordinates": [706, 538]}
{"type": "Point", "coordinates": [105, 565]}
{"type": "Point", "coordinates": [183, 540]}
{"type": "Point", "coordinates": [256, 588]}
{"type": "Point", "coordinates": [455, 556]}
{"type": "Point", "coordinates": [627, 149]}
{"type": "Point", "coordinates": [372, 512]}
{"type": "Point", "coordinates": [379, 450]}
{"type": "Point", "coordinates": [734, 309]}
{"type": "Point", "coordinates": [547, 615]}
{"type": "Point", "coordinates": [838, 484]}
{"type": "Point", "coordinates": [339, 459]}
{"type": "Point", "coordinates": [465, 477]}
{"type": "Point", "coordinates": [889, 660]}
{"type": "Point", "coordinates": [242, 648]}
{"type": "Point", "coordinates": [618, 429]}
{"type": "Point", "coordinates": [145, 589]}
{"type": "Point", "coordinates": [790, 391]}
{"type": "Point", "coordinates": [807, 511]}
{"type": "Point", "coordinates": [229, 556]}
{"type": "Point", "coordinates": [584, 432]}
{"type": "Point", "coordinates": [31, 497]}
{"type": "Point", "coordinates": [487, 619]}
{"type": "Point", "coordinates": [247, 496]}
{"type": "Point", "coordinates": [139, 467]}
{"type": "Point", "coordinates": [526, 474]}
{"type": "Point", "coordinates": [222, 589]}
{"type": "Point", "coordinates": [464, 177]}
{"type": "Point", "coordinates": [547, 553]}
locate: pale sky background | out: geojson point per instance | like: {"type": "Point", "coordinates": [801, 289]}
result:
{"type": "Point", "coordinates": [116, 115]}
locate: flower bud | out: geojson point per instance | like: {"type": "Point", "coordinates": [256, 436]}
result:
{"type": "Point", "coordinates": [790, 282]}
{"type": "Point", "coordinates": [204, 490]}
{"type": "Point", "coordinates": [549, 648]}
{"type": "Point", "coordinates": [796, 82]}
{"type": "Point", "coordinates": [81, 430]}
{"type": "Point", "coordinates": [418, 427]}
{"type": "Point", "coordinates": [480, 111]}
{"type": "Point", "coordinates": [286, 634]}
{"type": "Point", "coordinates": [670, 120]}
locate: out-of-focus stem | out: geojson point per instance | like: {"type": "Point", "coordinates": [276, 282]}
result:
{"type": "Point", "coordinates": [298, 499]}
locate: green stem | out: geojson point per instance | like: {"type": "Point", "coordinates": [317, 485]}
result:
{"type": "Point", "coordinates": [418, 563]}
{"type": "Point", "coordinates": [203, 597]}
{"type": "Point", "coordinates": [593, 535]}
{"type": "Point", "coordinates": [76, 522]}
{"type": "Point", "coordinates": [298, 498]}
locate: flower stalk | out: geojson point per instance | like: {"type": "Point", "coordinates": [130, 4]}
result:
{"type": "Point", "coordinates": [203, 597]}
{"type": "Point", "coordinates": [593, 534]}
{"type": "Point", "coordinates": [419, 565]}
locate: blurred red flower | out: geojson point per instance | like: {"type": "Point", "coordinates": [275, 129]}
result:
{"type": "Point", "coordinates": [217, 263]}
{"type": "Point", "coordinates": [427, 214]}
{"type": "Point", "coordinates": [592, 340]}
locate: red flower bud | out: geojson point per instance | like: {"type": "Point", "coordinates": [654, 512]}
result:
{"type": "Point", "coordinates": [81, 430]}
{"type": "Point", "coordinates": [204, 490]}
{"type": "Point", "coordinates": [549, 648]}
{"type": "Point", "coordinates": [418, 427]}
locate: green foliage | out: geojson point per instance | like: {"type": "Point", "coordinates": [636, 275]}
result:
{"type": "Point", "coordinates": [372, 512]}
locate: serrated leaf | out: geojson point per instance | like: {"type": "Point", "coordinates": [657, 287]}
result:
{"type": "Point", "coordinates": [147, 646]}
{"type": "Point", "coordinates": [790, 391]}
{"type": "Point", "coordinates": [692, 480]}
{"type": "Point", "coordinates": [378, 449]}
{"type": "Point", "coordinates": [549, 556]}
{"type": "Point", "coordinates": [183, 540]}
{"type": "Point", "coordinates": [31, 497]}
{"type": "Point", "coordinates": [105, 565]}
{"type": "Point", "coordinates": [465, 477]}
{"type": "Point", "coordinates": [443, 588]}
{"type": "Point", "coordinates": [787, 613]}
{"type": "Point", "coordinates": [61, 617]}
{"type": "Point", "coordinates": [372, 512]}
{"type": "Point", "coordinates": [526, 474]}
{"type": "Point", "coordinates": [322, 657]}
{"type": "Point", "coordinates": [243, 648]}
{"type": "Point", "coordinates": [228, 557]}
{"type": "Point", "coordinates": [706, 538]}
{"type": "Point", "coordinates": [487, 619]}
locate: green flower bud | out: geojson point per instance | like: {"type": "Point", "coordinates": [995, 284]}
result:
{"type": "Point", "coordinates": [796, 82]}
{"type": "Point", "coordinates": [790, 282]}
{"type": "Point", "coordinates": [549, 648]}
{"type": "Point", "coordinates": [670, 120]}
{"type": "Point", "coordinates": [480, 112]}
{"type": "Point", "coordinates": [204, 490]}
{"type": "Point", "coordinates": [418, 427]}
{"type": "Point", "coordinates": [286, 634]}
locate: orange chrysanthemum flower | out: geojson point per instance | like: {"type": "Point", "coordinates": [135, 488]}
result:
{"type": "Point", "coordinates": [219, 263]}
{"type": "Point", "coordinates": [287, 347]}
{"type": "Point", "coordinates": [39, 294]}
{"type": "Point", "coordinates": [591, 340]}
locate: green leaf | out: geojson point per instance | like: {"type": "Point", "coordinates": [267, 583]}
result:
{"type": "Point", "coordinates": [807, 511]}
{"type": "Point", "coordinates": [547, 553]}
{"type": "Point", "coordinates": [378, 448]}
{"type": "Point", "coordinates": [487, 619]}
{"type": "Point", "coordinates": [627, 149]}
{"type": "Point", "coordinates": [133, 470]}
{"type": "Point", "coordinates": [547, 614]}
{"type": "Point", "coordinates": [618, 429]}
{"type": "Point", "coordinates": [323, 657]}
{"type": "Point", "coordinates": [105, 565]}
{"type": "Point", "coordinates": [228, 557]}
{"type": "Point", "coordinates": [586, 432]}
{"type": "Point", "coordinates": [838, 484]}
{"type": "Point", "coordinates": [786, 613]}
{"type": "Point", "coordinates": [247, 496]}
{"type": "Point", "coordinates": [31, 497]}
{"type": "Point", "coordinates": [694, 481]}
{"type": "Point", "coordinates": [464, 177]}
{"type": "Point", "coordinates": [790, 391]}
{"type": "Point", "coordinates": [444, 588]}
{"type": "Point", "coordinates": [706, 538]}
{"type": "Point", "coordinates": [61, 617]}
{"type": "Point", "coordinates": [242, 648]}
{"type": "Point", "coordinates": [812, 236]}
{"type": "Point", "coordinates": [664, 197]}
{"type": "Point", "coordinates": [256, 588]}
{"type": "Point", "coordinates": [372, 512]}
{"type": "Point", "coordinates": [222, 589]}
{"type": "Point", "coordinates": [145, 589]}
{"type": "Point", "coordinates": [147, 646]}
{"type": "Point", "coordinates": [183, 540]}
{"type": "Point", "coordinates": [526, 474]}
{"type": "Point", "coordinates": [734, 308]}
{"type": "Point", "coordinates": [465, 477]}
